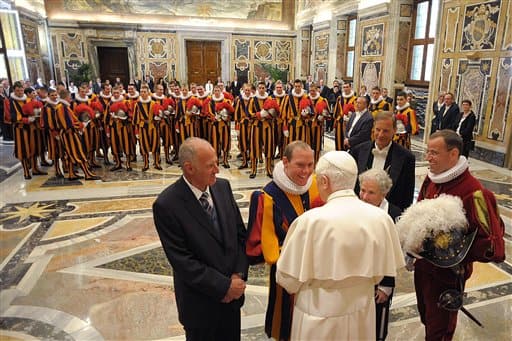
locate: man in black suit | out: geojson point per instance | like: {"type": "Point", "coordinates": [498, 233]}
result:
{"type": "Point", "coordinates": [448, 114]}
{"type": "Point", "coordinates": [235, 87]}
{"type": "Point", "coordinates": [390, 156]}
{"type": "Point", "coordinates": [203, 236]}
{"type": "Point", "coordinates": [96, 87]}
{"type": "Point", "coordinates": [324, 90]}
{"type": "Point", "coordinates": [359, 126]}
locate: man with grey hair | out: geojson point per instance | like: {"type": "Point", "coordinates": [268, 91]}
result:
{"type": "Point", "coordinates": [334, 255]}
{"type": "Point", "coordinates": [375, 185]}
{"type": "Point", "coordinates": [203, 236]}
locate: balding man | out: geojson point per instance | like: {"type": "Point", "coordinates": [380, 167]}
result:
{"type": "Point", "coordinates": [203, 236]}
{"type": "Point", "coordinates": [334, 255]}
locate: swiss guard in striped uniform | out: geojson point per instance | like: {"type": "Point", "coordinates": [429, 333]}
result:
{"type": "Point", "coordinates": [271, 212]}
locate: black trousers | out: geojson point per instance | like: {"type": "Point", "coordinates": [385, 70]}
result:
{"type": "Point", "coordinates": [227, 328]}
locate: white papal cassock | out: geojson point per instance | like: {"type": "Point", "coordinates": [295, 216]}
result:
{"type": "Point", "coordinates": [332, 258]}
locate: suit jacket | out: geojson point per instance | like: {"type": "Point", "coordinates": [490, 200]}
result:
{"type": "Point", "coordinates": [450, 120]}
{"type": "Point", "coordinates": [362, 131]}
{"type": "Point", "coordinates": [235, 88]}
{"type": "Point", "coordinates": [325, 92]}
{"type": "Point", "coordinates": [399, 164]}
{"type": "Point", "coordinates": [467, 126]}
{"type": "Point", "coordinates": [202, 259]}
{"type": "Point", "coordinates": [96, 88]}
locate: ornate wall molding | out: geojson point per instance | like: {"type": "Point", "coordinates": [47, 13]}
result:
{"type": "Point", "coordinates": [451, 24]}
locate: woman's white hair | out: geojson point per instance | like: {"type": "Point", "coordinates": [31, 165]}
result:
{"type": "Point", "coordinates": [340, 168]}
{"type": "Point", "coordinates": [380, 176]}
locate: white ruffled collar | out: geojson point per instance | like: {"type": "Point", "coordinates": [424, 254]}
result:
{"type": "Point", "coordinates": [114, 100]}
{"type": "Point", "coordinates": [145, 100]}
{"type": "Point", "coordinates": [316, 97]}
{"type": "Point", "coordinates": [406, 105]}
{"type": "Point", "coordinates": [377, 101]}
{"type": "Point", "coordinates": [451, 173]}
{"type": "Point", "coordinates": [257, 95]}
{"type": "Point", "coordinates": [284, 183]}
{"type": "Point", "coordinates": [350, 95]}
{"type": "Point", "coordinates": [24, 98]}
{"type": "Point", "coordinates": [242, 95]}
{"type": "Point", "coordinates": [134, 96]}
{"type": "Point", "coordinates": [156, 97]}
{"type": "Point", "coordinates": [187, 96]}
{"type": "Point", "coordinates": [218, 99]}
{"type": "Point", "coordinates": [81, 99]}
{"type": "Point", "coordinates": [49, 101]}
{"type": "Point", "coordinates": [202, 97]}
{"type": "Point", "coordinates": [279, 95]}
{"type": "Point", "coordinates": [298, 95]}
{"type": "Point", "coordinates": [105, 96]}
{"type": "Point", "coordinates": [63, 101]}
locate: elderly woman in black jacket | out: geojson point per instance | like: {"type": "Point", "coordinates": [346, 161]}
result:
{"type": "Point", "coordinates": [466, 126]}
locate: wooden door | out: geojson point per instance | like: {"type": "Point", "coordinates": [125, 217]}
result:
{"type": "Point", "coordinates": [114, 63]}
{"type": "Point", "coordinates": [203, 60]}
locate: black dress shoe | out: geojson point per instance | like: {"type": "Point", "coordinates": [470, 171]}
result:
{"type": "Point", "coordinates": [107, 162]}
{"type": "Point", "coordinates": [129, 169]}
{"type": "Point", "coordinates": [39, 172]}
{"type": "Point", "coordinates": [28, 177]}
{"type": "Point", "coordinates": [269, 175]}
{"type": "Point", "coordinates": [243, 166]}
{"type": "Point", "coordinates": [169, 162]}
{"type": "Point", "coordinates": [252, 176]}
{"type": "Point", "coordinates": [45, 163]}
{"type": "Point", "coordinates": [145, 169]}
{"type": "Point", "coordinates": [226, 165]}
{"type": "Point", "coordinates": [115, 168]}
{"type": "Point", "coordinates": [158, 167]}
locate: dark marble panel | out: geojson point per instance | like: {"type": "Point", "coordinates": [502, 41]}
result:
{"type": "Point", "coordinates": [34, 328]}
{"type": "Point", "coordinates": [155, 262]}
{"type": "Point", "coordinates": [496, 158]}
{"type": "Point", "coordinates": [7, 161]}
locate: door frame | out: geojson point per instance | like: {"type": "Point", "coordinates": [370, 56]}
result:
{"type": "Point", "coordinates": [225, 57]}
{"type": "Point", "coordinates": [93, 54]}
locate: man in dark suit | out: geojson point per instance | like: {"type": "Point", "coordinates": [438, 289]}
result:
{"type": "Point", "coordinates": [448, 114]}
{"type": "Point", "coordinates": [324, 90]}
{"type": "Point", "coordinates": [96, 87]}
{"type": "Point", "coordinates": [390, 156]}
{"type": "Point", "coordinates": [235, 87]}
{"type": "Point", "coordinates": [359, 126]}
{"type": "Point", "coordinates": [203, 236]}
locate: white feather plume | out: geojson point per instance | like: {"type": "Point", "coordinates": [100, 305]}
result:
{"type": "Point", "coordinates": [427, 218]}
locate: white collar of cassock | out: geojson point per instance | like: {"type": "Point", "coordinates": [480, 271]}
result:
{"type": "Point", "coordinates": [406, 105]}
{"type": "Point", "coordinates": [342, 193]}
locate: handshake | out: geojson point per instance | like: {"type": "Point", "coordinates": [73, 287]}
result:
{"type": "Point", "coordinates": [236, 289]}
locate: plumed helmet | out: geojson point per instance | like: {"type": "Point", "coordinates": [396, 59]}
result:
{"type": "Point", "coordinates": [437, 230]}
{"type": "Point", "coordinates": [84, 112]}
{"type": "Point", "coordinates": [120, 109]}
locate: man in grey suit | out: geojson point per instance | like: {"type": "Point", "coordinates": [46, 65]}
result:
{"type": "Point", "coordinates": [203, 236]}
{"type": "Point", "coordinates": [359, 127]}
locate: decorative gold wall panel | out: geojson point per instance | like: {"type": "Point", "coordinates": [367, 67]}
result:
{"type": "Point", "coordinates": [451, 23]}
{"type": "Point", "coordinates": [69, 50]}
{"type": "Point", "coordinates": [305, 53]}
{"type": "Point", "coordinates": [30, 33]}
{"type": "Point", "coordinates": [501, 106]}
{"type": "Point", "coordinates": [341, 51]}
{"type": "Point", "coordinates": [157, 54]}
{"type": "Point", "coordinates": [320, 54]}
{"type": "Point", "coordinates": [370, 53]}
{"type": "Point", "coordinates": [253, 58]}
{"type": "Point", "coordinates": [476, 65]}
{"type": "Point", "coordinates": [507, 31]}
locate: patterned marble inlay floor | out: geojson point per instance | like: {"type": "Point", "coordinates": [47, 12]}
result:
{"type": "Point", "coordinates": [82, 260]}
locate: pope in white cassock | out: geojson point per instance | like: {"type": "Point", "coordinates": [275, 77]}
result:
{"type": "Point", "coordinates": [334, 255]}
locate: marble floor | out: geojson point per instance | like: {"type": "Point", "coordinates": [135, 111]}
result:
{"type": "Point", "coordinates": [82, 260]}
